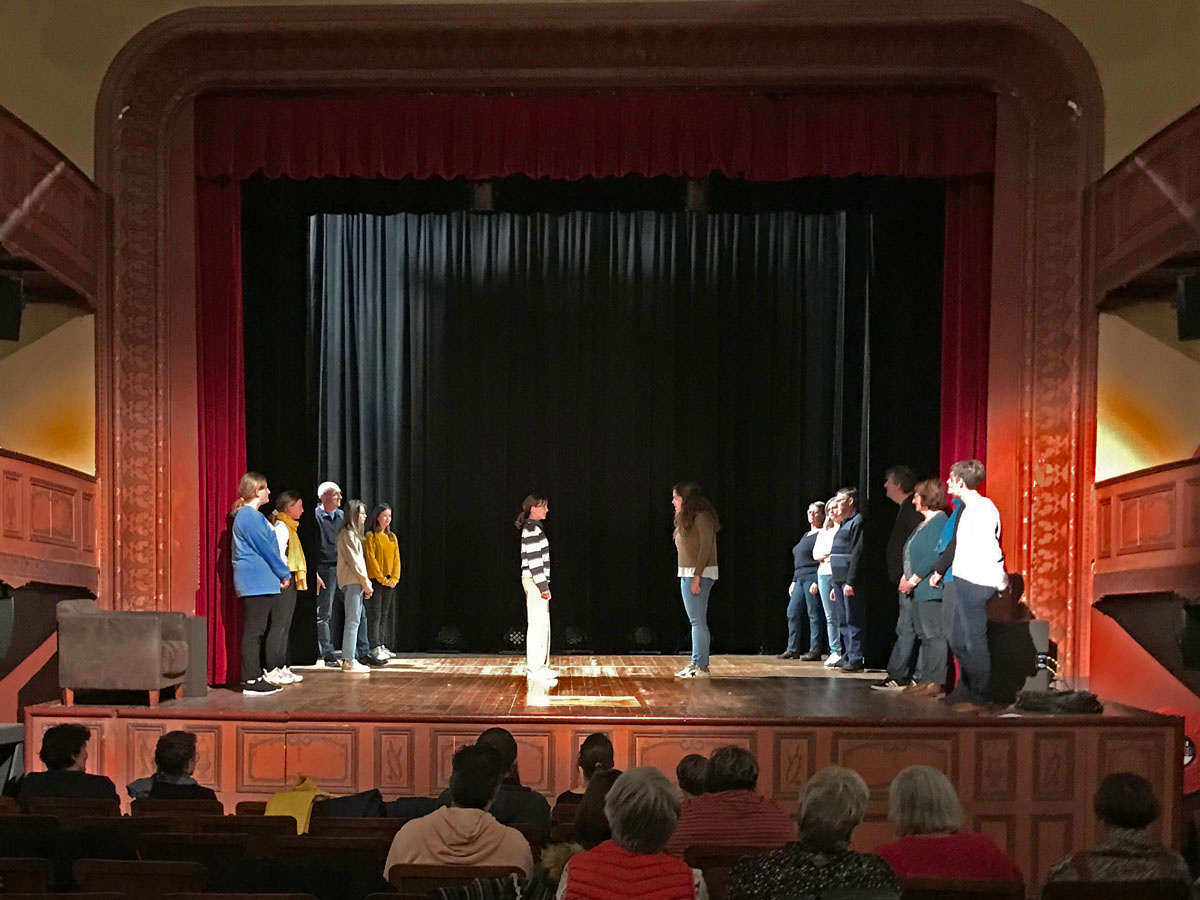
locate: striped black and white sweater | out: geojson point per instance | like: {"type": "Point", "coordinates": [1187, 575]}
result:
{"type": "Point", "coordinates": [535, 555]}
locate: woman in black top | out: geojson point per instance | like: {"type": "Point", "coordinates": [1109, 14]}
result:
{"type": "Point", "coordinates": [803, 594]}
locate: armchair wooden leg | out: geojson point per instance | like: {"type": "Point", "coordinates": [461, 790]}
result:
{"type": "Point", "coordinates": [68, 697]}
{"type": "Point", "coordinates": [154, 698]}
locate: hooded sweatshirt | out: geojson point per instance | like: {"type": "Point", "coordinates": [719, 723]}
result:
{"type": "Point", "coordinates": [453, 836]}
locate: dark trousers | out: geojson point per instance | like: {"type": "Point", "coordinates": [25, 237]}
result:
{"type": "Point", "coordinates": [281, 624]}
{"type": "Point", "coordinates": [256, 611]}
{"type": "Point", "coordinates": [325, 599]}
{"type": "Point", "coordinates": [805, 604]}
{"type": "Point", "coordinates": [968, 641]}
{"type": "Point", "coordinates": [379, 615]}
{"type": "Point", "coordinates": [931, 657]}
{"type": "Point", "coordinates": [853, 614]}
{"type": "Point", "coordinates": [903, 660]}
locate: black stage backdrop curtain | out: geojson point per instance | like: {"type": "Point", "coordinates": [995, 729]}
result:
{"type": "Point", "coordinates": [457, 360]}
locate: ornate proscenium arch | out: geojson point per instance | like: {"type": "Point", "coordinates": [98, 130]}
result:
{"type": "Point", "coordinates": [1041, 406]}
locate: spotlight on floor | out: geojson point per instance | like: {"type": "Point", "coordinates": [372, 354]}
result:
{"type": "Point", "coordinates": [514, 639]}
{"type": "Point", "coordinates": [449, 639]}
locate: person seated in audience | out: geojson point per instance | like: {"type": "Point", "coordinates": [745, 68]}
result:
{"type": "Point", "coordinates": [690, 775]}
{"type": "Point", "coordinates": [464, 833]}
{"type": "Point", "coordinates": [642, 808]}
{"type": "Point", "coordinates": [174, 762]}
{"type": "Point", "coordinates": [731, 811]}
{"type": "Point", "coordinates": [64, 753]}
{"type": "Point", "coordinates": [924, 810]}
{"type": "Point", "coordinates": [1126, 804]}
{"type": "Point", "coordinates": [591, 827]}
{"type": "Point", "coordinates": [832, 805]}
{"type": "Point", "coordinates": [515, 804]}
{"type": "Point", "coordinates": [595, 755]}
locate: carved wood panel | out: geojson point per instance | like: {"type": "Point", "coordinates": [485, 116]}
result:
{"type": "Point", "coordinates": [1104, 528]}
{"type": "Point", "coordinates": [394, 766]}
{"type": "Point", "coordinates": [997, 43]}
{"type": "Point", "coordinates": [878, 756]}
{"type": "Point", "coordinates": [52, 513]}
{"type": "Point", "coordinates": [261, 760]}
{"type": "Point", "coordinates": [795, 762]}
{"type": "Point", "coordinates": [996, 766]}
{"type": "Point", "coordinates": [1001, 828]}
{"type": "Point", "coordinates": [664, 748]}
{"type": "Point", "coordinates": [535, 756]}
{"type": "Point", "coordinates": [1146, 519]}
{"type": "Point", "coordinates": [13, 507]}
{"type": "Point", "coordinates": [327, 755]}
{"type": "Point", "coordinates": [1054, 764]}
{"type": "Point", "coordinates": [1191, 512]}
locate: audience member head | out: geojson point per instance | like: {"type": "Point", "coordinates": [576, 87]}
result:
{"type": "Point", "coordinates": [847, 502]}
{"type": "Point", "coordinates": [692, 774]}
{"type": "Point", "coordinates": [175, 753]}
{"type": "Point", "coordinates": [642, 808]}
{"type": "Point", "coordinates": [475, 776]}
{"type": "Point", "coordinates": [1125, 800]}
{"type": "Point", "coordinates": [832, 805]}
{"type": "Point", "coordinates": [64, 747]}
{"type": "Point", "coordinates": [731, 769]}
{"type": "Point", "coordinates": [816, 513]}
{"type": "Point", "coordinates": [922, 801]}
{"type": "Point", "coordinates": [330, 495]}
{"type": "Point", "coordinates": [504, 745]}
{"type": "Point", "coordinates": [930, 495]}
{"type": "Point", "coordinates": [966, 472]}
{"type": "Point", "coordinates": [591, 824]}
{"type": "Point", "coordinates": [898, 483]}
{"type": "Point", "coordinates": [595, 755]}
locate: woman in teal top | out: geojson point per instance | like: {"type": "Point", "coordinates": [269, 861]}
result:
{"type": "Point", "coordinates": [920, 557]}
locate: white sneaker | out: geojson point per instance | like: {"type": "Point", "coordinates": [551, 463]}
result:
{"type": "Point", "coordinates": [686, 671]}
{"type": "Point", "coordinates": [380, 654]}
{"type": "Point", "coordinates": [295, 676]}
{"type": "Point", "coordinates": [390, 654]}
{"type": "Point", "coordinates": [832, 660]}
{"type": "Point", "coordinates": [695, 672]}
{"type": "Point", "coordinates": [354, 666]}
{"type": "Point", "coordinates": [274, 676]}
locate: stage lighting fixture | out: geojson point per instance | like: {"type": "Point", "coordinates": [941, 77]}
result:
{"type": "Point", "coordinates": [449, 639]}
{"type": "Point", "coordinates": [575, 638]}
{"type": "Point", "coordinates": [514, 639]}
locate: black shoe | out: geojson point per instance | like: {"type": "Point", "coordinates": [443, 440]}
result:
{"type": "Point", "coordinates": [810, 656]}
{"type": "Point", "coordinates": [853, 667]}
{"type": "Point", "coordinates": [371, 661]}
{"type": "Point", "coordinates": [787, 654]}
{"type": "Point", "coordinates": [332, 662]}
{"type": "Point", "coordinates": [890, 684]}
{"type": "Point", "coordinates": [259, 687]}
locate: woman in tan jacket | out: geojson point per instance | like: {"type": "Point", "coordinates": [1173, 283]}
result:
{"type": "Point", "coordinates": [696, 527]}
{"type": "Point", "coordinates": [353, 580]}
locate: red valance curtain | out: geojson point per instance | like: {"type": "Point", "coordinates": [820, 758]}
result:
{"type": "Point", "coordinates": [915, 134]}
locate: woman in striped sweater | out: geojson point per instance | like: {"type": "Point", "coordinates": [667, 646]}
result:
{"type": "Point", "coordinates": [535, 578]}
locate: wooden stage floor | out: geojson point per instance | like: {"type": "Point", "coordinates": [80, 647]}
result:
{"type": "Point", "coordinates": [1024, 779]}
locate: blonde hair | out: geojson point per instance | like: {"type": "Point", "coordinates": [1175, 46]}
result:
{"type": "Point", "coordinates": [832, 805]}
{"type": "Point", "coordinates": [250, 485]}
{"type": "Point", "coordinates": [922, 800]}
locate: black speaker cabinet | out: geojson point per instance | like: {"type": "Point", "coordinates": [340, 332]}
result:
{"type": "Point", "coordinates": [12, 299]}
{"type": "Point", "coordinates": [1015, 647]}
{"type": "Point", "coordinates": [1187, 307]}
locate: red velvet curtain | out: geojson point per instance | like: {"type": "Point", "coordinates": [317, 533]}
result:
{"type": "Point", "coordinates": [966, 301]}
{"type": "Point", "coordinates": [916, 134]}
{"type": "Point", "coordinates": [222, 404]}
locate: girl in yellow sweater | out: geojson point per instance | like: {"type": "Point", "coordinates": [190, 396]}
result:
{"type": "Point", "coordinates": [382, 551]}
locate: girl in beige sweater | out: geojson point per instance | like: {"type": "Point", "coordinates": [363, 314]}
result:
{"type": "Point", "coordinates": [696, 527]}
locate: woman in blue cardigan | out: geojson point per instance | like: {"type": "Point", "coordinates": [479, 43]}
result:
{"type": "Point", "coordinates": [259, 573]}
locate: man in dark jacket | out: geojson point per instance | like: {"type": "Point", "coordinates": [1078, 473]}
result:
{"type": "Point", "coordinates": [64, 753]}
{"type": "Point", "coordinates": [843, 560]}
{"type": "Point", "coordinates": [898, 484]}
{"type": "Point", "coordinates": [515, 804]}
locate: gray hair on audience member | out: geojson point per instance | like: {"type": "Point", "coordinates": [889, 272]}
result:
{"type": "Point", "coordinates": [642, 809]}
{"type": "Point", "coordinates": [922, 801]}
{"type": "Point", "coordinates": [832, 805]}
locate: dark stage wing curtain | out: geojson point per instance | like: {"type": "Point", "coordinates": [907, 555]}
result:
{"type": "Point", "coordinates": [465, 359]}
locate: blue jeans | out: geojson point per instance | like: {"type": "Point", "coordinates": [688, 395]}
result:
{"type": "Point", "coordinates": [325, 599]}
{"type": "Point", "coordinates": [696, 606]}
{"type": "Point", "coordinates": [833, 622]}
{"type": "Point", "coordinates": [851, 616]}
{"type": "Point", "coordinates": [802, 601]}
{"type": "Point", "coordinates": [968, 641]}
{"type": "Point", "coordinates": [352, 600]}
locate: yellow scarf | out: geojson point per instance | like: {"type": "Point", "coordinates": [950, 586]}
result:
{"type": "Point", "coordinates": [295, 553]}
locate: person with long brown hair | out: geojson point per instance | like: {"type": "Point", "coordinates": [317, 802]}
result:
{"type": "Point", "coordinates": [696, 527]}
{"type": "Point", "coordinates": [289, 507]}
{"type": "Point", "coordinates": [535, 579]}
{"type": "Point", "coordinates": [259, 573]}
{"type": "Point", "coordinates": [354, 581]}
{"type": "Point", "coordinates": [383, 566]}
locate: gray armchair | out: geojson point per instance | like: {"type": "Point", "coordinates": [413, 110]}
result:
{"type": "Point", "coordinates": [123, 651]}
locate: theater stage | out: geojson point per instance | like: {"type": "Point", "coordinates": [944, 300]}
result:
{"type": "Point", "coordinates": [1025, 779]}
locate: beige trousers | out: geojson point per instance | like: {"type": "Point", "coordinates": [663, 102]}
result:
{"type": "Point", "coordinates": [537, 629]}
